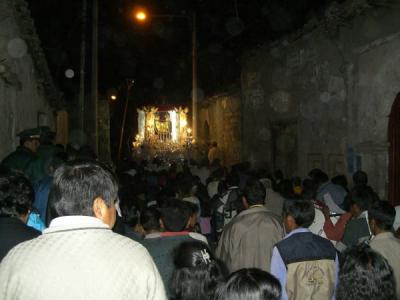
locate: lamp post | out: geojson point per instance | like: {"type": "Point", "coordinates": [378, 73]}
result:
{"type": "Point", "coordinates": [142, 16]}
{"type": "Point", "coordinates": [129, 84]}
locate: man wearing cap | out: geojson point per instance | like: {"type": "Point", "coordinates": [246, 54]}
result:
{"type": "Point", "coordinates": [47, 149]}
{"type": "Point", "coordinates": [24, 157]}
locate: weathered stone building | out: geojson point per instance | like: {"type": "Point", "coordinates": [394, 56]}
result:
{"type": "Point", "coordinates": [28, 97]}
{"type": "Point", "coordinates": [220, 121]}
{"type": "Point", "coordinates": [322, 96]}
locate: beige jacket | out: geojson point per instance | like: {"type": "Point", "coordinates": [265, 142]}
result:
{"type": "Point", "coordinates": [247, 241]}
{"type": "Point", "coordinates": [389, 247]}
{"type": "Point", "coordinates": [78, 258]}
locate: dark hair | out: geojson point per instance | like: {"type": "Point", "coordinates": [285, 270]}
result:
{"type": "Point", "coordinates": [249, 284]}
{"type": "Point", "coordinates": [130, 213]}
{"type": "Point", "coordinates": [197, 272]}
{"type": "Point", "coordinates": [185, 186]}
{"type": "Point", "coordinates": [254, 192]}
{"type": "Point", "coordinates": [302, 211]}
{"type": "Point", "coordinates": [309, 189]}
{"type": "Point", "coordinates": [150, 218]}
{"type": "Point", "coordinates": [175, 214]}
{"type": "Point", "coordinates": [23, 140]}
{"type": "Point", "coordinates": [285, 188]}
{"type": "Point", "coordinates": [318, 176]}
{"type": "Point", "coordinates": [16, 193]}
{"type": "Point", "coordinates": [365, 274]}
{"type": "Point", "coordinates": [340, 180]}
{"type": "Point", "coordinates": [233, 179]}
{"type": "Point", "coordinates": [77, 184]}
{"type": "Point", "coordinates": [362, 197]}
{"type": "Point", "coordinates": [360, 178]}
{"type": "Point", "coordinates": [384, 215]}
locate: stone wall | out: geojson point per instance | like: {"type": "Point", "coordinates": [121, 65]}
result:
{"type": "Point", "coordinates": [321, 97]}
{"type": "Point", "coordinates": [220, 121]}
{"type": "Point", "coordinates": [23, 93]}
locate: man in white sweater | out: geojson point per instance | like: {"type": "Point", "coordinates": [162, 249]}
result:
{"type": "Point", "coordinates": [78, 256]}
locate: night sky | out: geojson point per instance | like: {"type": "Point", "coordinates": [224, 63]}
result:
{"type": "Point", "coordinates": [157, 54]}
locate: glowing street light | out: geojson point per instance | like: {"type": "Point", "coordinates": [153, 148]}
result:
{"type": "Point", "coordinates": [113, 97]}
{"type": "Point", "coordinates": [141, 16]}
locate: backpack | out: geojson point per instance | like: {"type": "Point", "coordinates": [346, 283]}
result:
{"type": "Point", "coordinates": [229, 205]}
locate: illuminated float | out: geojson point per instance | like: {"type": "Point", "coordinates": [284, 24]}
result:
{"type": "Point", "coordinates": [163, 132]}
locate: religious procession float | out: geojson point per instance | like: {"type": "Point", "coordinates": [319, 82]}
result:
{"type": "Point", "coordinates": [163, 132]}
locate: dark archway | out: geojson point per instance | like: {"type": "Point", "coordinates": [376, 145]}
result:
{"type": "Point", "coordinates": [394, 152]}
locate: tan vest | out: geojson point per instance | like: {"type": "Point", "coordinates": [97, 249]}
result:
{"type": "Point", "coordinates": [311, 280]}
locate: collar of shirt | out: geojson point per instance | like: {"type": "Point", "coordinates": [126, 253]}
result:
{"type": "Point", "coordinates": [364, 214]}
{"type": "Point", "coordinates": [74, 222]}
{"type": "Point", "coordinates": [256, 205]}
{"type": "Point", "coordinates": [384, 235]}
{"type": "Point", "coordinates": [297, 230]}
{"type": "Point", "coordinates": [153, 235]}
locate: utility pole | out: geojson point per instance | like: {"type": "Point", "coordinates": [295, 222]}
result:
{"type": "Point", "coordinates": [95, 74]}
{"type": "Point", "coordinates": [82, 69]}
{"type": "Point", "coordinates": [194, 77]}
{"type": "Point", "coordinates": [129, 84]}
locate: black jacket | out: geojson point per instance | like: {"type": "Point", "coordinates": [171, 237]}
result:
{"type": "Point", "coordinates": [12, 232]}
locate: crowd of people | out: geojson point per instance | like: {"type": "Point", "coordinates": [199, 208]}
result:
{"type": "Point", "coordinates": [72, 227]}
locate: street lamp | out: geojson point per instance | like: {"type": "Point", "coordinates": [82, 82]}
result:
{"type": "Point", "coordinates": [141, 16]}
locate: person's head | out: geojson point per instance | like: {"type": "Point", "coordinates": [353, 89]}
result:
{"type": "Point", "coordinates": [360, 178]}
{"type": "Point", "coordinates": [254, 193]}
{"type": "Point", "coordinates": [130, 213]}
{"type": "Point", "coordinates": [215, 144]}
{"type": "Point", "coordinates": [175, 215]}
{"type": "Point", "coordinates": [381, 217]}
{"type": "Point", "coordinates": [84, 188]}
{"type": "Point", "coordinates": [197, 273]}
{"type": "Point", "coordinates": [249, 284]}
{"type": "Point", "coordinates": [297, 213]}
{"type": "Point", "coordinates": [186, 187]}
{"type": "Point", "coordinates": [46, 135]}
{"type": "Point", "coordinates": [30, 138]}
{"type": "Point", "coordinates": [365, 274]}
{"type": "Point", "coordinates": [233, 179]}
{"type": "Point", "coordinates": [16, 194]}
{"type": "Point", "coordinates": [150, 220]}
{"type": "Point", "coordinates": [31, 144]}
{"type": "Point", "coordinates": [285, 188]}
{"type": "Point", "coordinates": [318, 176]}
{"type": "Point", "coordinates": [360, 199]}
{"type": "Point", "coordinates": [309, 189]}
{"type": "Point", "coordinates": [340, 180]}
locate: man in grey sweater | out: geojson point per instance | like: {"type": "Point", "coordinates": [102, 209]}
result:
{"type": "Point", "coordinates": [78, 256]}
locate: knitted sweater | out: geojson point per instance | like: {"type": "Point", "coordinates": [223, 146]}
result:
{"type": "Point", "coordinates": [79, 258]}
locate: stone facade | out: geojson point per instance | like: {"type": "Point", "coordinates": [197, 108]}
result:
{"type": "Point", "coordinates": [220, 121]}
{"type": "Point", "coordinates": [26, 88]}
{"type": "Point", "coordinates": [322, 96]}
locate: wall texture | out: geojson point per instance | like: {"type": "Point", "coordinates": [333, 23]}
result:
{"type": "Point", "coordinates": [321, 97]}
{"type": "Point", "coordinates": [25, 83]}
{"type": "Point", "coordinates": [220, 121]}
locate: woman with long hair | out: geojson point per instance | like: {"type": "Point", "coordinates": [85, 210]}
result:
{"type": "Point", "coordinates": [197, 273]}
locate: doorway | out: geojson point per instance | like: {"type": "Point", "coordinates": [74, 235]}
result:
{"type": "Point", "coordinates": [284, 147]}
{"type": "Point", "coordinates": [394, 152]}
